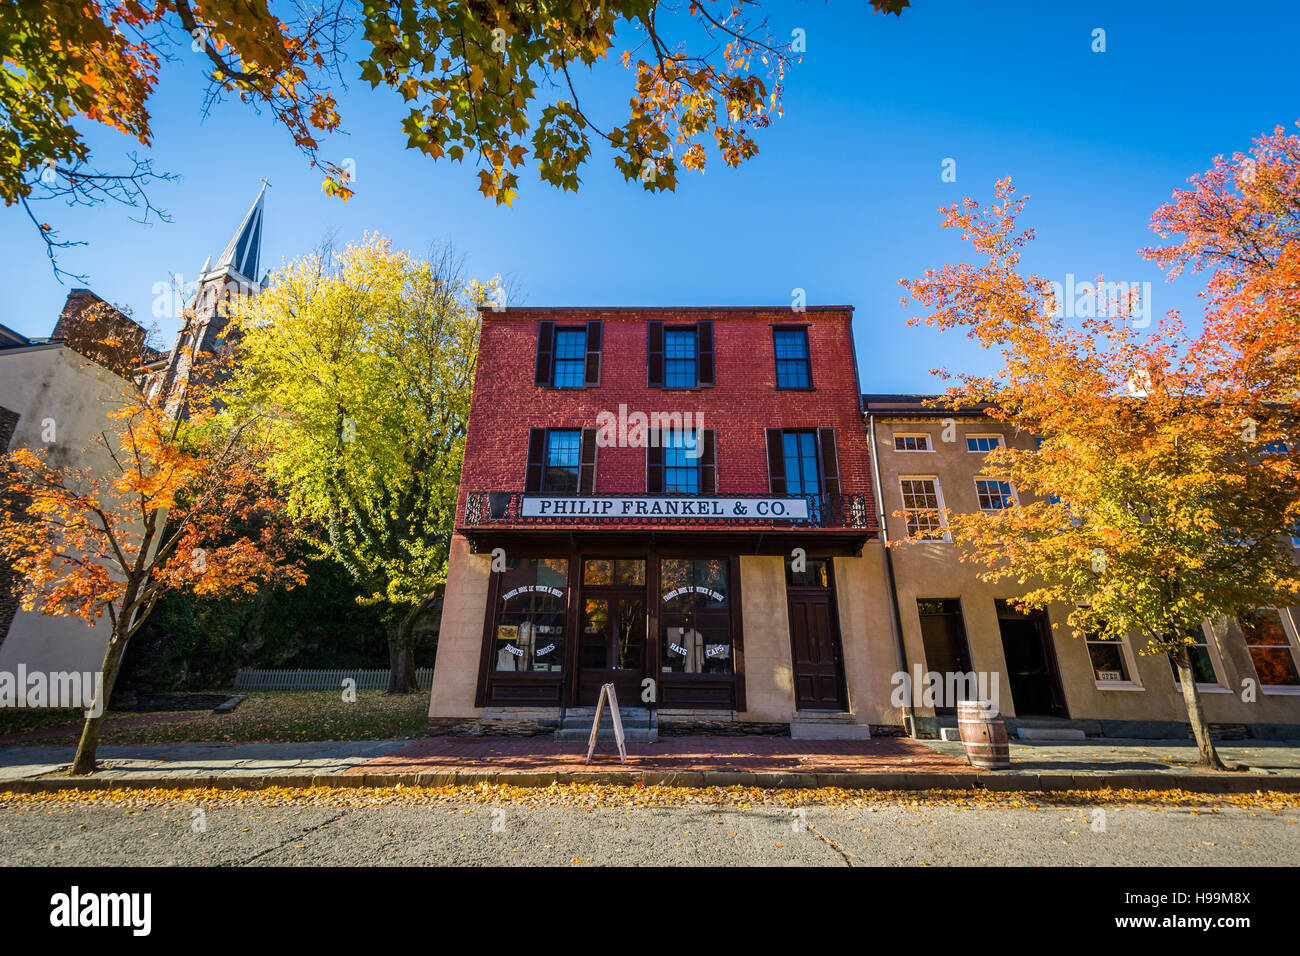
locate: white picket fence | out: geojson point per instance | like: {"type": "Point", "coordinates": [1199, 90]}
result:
{"type": "Point", "coordinates": [375, 678]}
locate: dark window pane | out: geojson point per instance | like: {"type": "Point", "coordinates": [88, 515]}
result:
{"type": "Point", "coordinates": [816, 573]}
{"type": "Point", "coordinates": [1108, 663]}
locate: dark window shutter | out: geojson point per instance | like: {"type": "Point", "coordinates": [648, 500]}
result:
{"type": "Point", "coordinates": [591, 375]}
{"type": "Point", "coordinates": [536, 459]}
{"type": "Point", "coordinates": [709, 463]}
{"type": "Point", "coordinates": [830, 461]}
{"type": "Point", "coordinates": [654, 354]}
{"type": "Point", "coordinates": [587, 465]}
{"type": "Point", "coordinates": [545, 353]}
{"type": "Point", "coordinates": [704, 338]}
{"type": "Point", "coordinates": [654, 468]}
{"type": "Point", "coordinates": [775, 462]}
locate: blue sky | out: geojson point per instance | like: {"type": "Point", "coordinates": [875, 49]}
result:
{"type": "Point", "coordinates": [841, 201]}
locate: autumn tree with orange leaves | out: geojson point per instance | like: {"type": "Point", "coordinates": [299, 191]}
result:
{"type": "Point", "coordinates": [1167, 475]}
{"type": "Point", "coordinates": [184, 506]}
{"type": "Point", "coordinates": [497, 83]}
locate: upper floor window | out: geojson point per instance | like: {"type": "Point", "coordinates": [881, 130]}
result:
{"type": "Point", "coordinates": [679, 356]}
{"type": "Point", "coordinates": [993, 495]}
{"type": "Point", "coordinates": [802, 476]}
{"type": "Point", "coordinates": [563, 459]}
{"type": "Point", "coordinates": [805, 462]}
{"type": "Point", "coordinates": [681, 463]}
{"type": "Point", "coordinates": [983, 442]}
{"type": "Point", "coordinates": [924, 508]}
{"type": "Point", "coordinates": [793, 368]}
{"type": "Point", "coordinates": [912, 443]}
{"type": "Point", "coordinates": [568, 357]}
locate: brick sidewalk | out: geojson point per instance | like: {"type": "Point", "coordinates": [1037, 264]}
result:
{"type": "Point", "coordinates": [753, 754]}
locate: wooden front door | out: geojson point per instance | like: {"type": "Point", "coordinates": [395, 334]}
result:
{"type": "Point", "coordinates": [613, 646]}
{"type": "Point", "coordinates": [815, 643]}
{"type": "Point", "coordinates": [1031, 663]}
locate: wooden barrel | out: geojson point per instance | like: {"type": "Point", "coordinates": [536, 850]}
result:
{"type": "Point", "coordinates": [983, 734]}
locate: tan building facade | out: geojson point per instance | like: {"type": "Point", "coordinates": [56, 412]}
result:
{"type": "Point", "coordinates": [951, 620]}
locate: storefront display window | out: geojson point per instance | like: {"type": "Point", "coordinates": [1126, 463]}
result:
{"type": "Point", "coordinates": [695, 616]}
{"type": "Point", "coordinates": [529, 631]}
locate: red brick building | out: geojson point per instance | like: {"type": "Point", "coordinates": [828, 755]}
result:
{"type": "Point", "coordinates": [675, 501]}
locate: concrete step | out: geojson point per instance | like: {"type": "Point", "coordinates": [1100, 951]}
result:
{"type": "Point", "coordinates": [801, 729]}
{"type": "Point", "coordinates": [1050, 733]}
{"type": "Point", "coordinates": [639, 725]}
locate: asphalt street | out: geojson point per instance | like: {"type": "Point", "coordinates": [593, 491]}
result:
{"type": "Point", "coordinates": [474, 834]}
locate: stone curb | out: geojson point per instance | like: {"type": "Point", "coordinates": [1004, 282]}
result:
{"type": "Point", "coordinates": [1011, 781]}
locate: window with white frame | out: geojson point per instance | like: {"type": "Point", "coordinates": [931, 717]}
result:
{"type": "Point", "coordinates": [1202, 661]}
{"type": "Point", "coordinates": [982, 443]}
{"type": "Point", "coordinates": [993, 495]}
{"type": "Point", "coordinates": [917, 442]}
{"type": "Point", "coordinates": [1109, 657]}
{"type": "Point", "coordinates": [1271, 649]}
{"type": "Point", "coordinates": [923, 504]}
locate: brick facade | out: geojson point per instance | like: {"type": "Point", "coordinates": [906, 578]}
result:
{"type": "Point", "coordinates": [740, 406]}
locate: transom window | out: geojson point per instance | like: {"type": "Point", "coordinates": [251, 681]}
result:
{"type": "Point", "coordinates": [563, 460]}
{"type": "Point", "coordinates": [680, 358]}
{"type": "Point", "coordinates": [613, 572]}
{"type": "Point", "coordinates": [911, 443]}
{"type": "Point", "coordinates": [802, 476]}
{"type": "Point", "coordinates": [793, 369]}
{"type": "Point", "coordinates": [1270, 648]}
{"type": "Point", "coordinates": [921, 502]}
{"type": "Point", "coordinates": [681, 462]}
{"type": "Point", "coordinates": [570, 358]}
{"type": "Point", "coordinates": [983, 442]}
{"type": "Point", "coordinates": [993, 495]}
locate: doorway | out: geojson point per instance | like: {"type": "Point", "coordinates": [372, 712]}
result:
{"type": "Point", "coordinates": [943, 637]}
{"type": "Point", "coordinates": [612, 644]}
{"type": "Point", "coordinates": [815, 637]}
{"type": "Point", "coordinates": [1031, 662]}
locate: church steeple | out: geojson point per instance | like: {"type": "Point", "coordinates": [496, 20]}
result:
{"type": "Point", "coordinates": [202, 335]}
{"type": "Point", "coordinates": [243, 253]}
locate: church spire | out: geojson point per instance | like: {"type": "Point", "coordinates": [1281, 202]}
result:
{"type": "Point", "coordinates": [243, 254]}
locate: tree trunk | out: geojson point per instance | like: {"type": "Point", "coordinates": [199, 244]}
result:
{"type": "Point", "coordinates": [401, 658]}
{"type": "Point", "coordinates": [84, 762]}
{"type": "Point", "coordinates": [1182, 657]}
